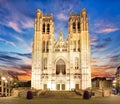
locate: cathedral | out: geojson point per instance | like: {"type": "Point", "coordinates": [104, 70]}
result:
{"type": "Point", "coordinates": [61, 65]}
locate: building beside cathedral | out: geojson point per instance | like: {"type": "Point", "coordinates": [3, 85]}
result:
{"type": "Point", "coordinates": [62, 64]}
{"type": "Point", "coordinates": [118, 78]}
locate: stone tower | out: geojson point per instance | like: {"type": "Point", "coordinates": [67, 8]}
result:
{"type": "Point", "coordinates": [62, 64]}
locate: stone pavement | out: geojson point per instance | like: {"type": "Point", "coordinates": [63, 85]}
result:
{"type": "Point", "coordinates": [95, 100]}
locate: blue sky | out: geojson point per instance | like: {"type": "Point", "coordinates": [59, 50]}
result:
{"type": "Point", "coordinates": [16, 32]}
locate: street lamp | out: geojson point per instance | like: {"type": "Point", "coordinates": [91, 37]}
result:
{"type": "Point", "coordinates": [3, 78]}
{"type": "Point", "coordinates": [6, 81]}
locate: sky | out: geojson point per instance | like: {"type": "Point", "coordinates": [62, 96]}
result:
{"type": "Point", "coordinates": [16, 32]}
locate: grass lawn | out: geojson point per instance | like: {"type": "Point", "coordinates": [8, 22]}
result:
{"type": "Point", "coordinates": [98, 100]}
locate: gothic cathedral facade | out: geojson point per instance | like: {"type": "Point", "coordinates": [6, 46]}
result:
{"type": "Point", "coordinates": [63, 64]}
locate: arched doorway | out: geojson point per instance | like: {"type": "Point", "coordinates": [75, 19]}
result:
{"type": "Point", "coordinates": [60, 67]}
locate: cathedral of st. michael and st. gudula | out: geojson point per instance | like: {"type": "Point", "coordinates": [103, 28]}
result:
{"type": "Point", "coordinates": [61, 65]}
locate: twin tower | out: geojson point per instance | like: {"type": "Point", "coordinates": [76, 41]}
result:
{"type": "Point", "coordinates": [62, 64]}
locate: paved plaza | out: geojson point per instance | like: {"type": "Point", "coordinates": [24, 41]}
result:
{"type": "Point", "coordinates": [95, 100]}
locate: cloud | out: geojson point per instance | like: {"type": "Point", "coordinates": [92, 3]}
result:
{"type": "Point", "coordinates": [94, 60]}
{"type": "Point", "coordinates": [6, 57]}
{"type": "Point", "coordinates": [93, 40]}
{"type": "Point", "coordinates": [25, 67]}
{"type": "Point", "coordinates": [15, 60]}
{"type": "Point", "coordinates": [16, 64]}
{"type": "Point", "coordinates": [18, 38]}
{"type": "Point", "coordinates": [62, 16]}
{"type": "Point", "coordinates": [28, 46]}
{"type": "Point", "coordinates": [16, 20]}
{"type": "Point", "coordinates": [108, 30]}
{"type": "Point", "coordinates": [104, 26]}
{"type": "Point", "coordinates": [115, 58]}
{"type": "Point", "coordinates": [101, 43]}
{"type": "Point", "coordinates": [102, 73]}
{"type": "Point", "coordinates": [24, 78]}
{"type": "Point", "coordinates": [23, 73]}
{"type": "Point", "coordinates": [7, 42]}
{"type": "Point", "coordinates": [14, 26]}
{"type": "Point", "coordinates": [28, 55]}
{"type": "Point", "coordinates": [107, 39]}
{"type": "Point", "coordinates": [100, 46]}
{"type": "Point", "coordinates": [27, 23]}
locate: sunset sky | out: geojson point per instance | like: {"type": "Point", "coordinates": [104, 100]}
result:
{"type": "Point", "coordinates": [16, 32]}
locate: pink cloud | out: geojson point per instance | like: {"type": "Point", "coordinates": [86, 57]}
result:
{"type": "Point", "coordinates": [28, 23]}
{"type": "Point", "coordinates": [14, 26]}
{"type": "Point", "coordinates": [93, 40]}
{"type": "Point", "coordinates": [108, 30]}
{"type": "Point", "coordinates": [105, 26]}
{"type": "Point", "coordinates": [62, 16]}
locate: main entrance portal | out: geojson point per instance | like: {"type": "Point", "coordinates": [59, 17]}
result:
{"type": "Point", "coordinates": [60, 87]}
{"type": "Point", "coordinates": [60, 72]}
{"type": "Point", "coordinates": [60, 67]}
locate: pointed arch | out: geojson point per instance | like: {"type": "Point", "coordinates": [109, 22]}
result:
{"type": "Point", "coordinates": [60, 67]}
{"type": "Point", "coordinates": [48, 28]}
{"type": "Point", "coordinates": [74, 26]}
{"type": "Point", "coordinates": [78, 26]}
{"type": "Point", "coordinates": [43, 28]}
{"type": "Point", "coordinates": [45, 63]}
{"type": "Point", "coordinates": [76, 63]}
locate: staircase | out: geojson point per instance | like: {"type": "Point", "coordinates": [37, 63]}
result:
{"type": "Point", "coordinates": [59, 94]}
{"type": "Point", "coordinates": [98, 93]}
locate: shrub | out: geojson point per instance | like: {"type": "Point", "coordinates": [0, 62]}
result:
{"type": "Point", "coordinates": [86, 95]}
{"type": "Point", "coordinates": [29, 95]}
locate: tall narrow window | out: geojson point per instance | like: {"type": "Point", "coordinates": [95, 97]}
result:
{"type": "Point", "coordinates": [45, 63]}
{"type": "Point", "coordinates": [74, 27]}
{"type": "Point", "coordinates": [43, 28]}
{"type": "Point", "coordinates": [48, 28]}
{"type": "Point", "coordinates": [47, 48]}
{"type": "Point", "coordinates": [43, 46]}
{"type": "Point", "coordinates": [78, 26]}
{"type": "Point", "coordinates": [74, 49]}
{"type": "Point", "coordinates": [78, 45]}
{"type": "Point", "coordinates": [76, 63]}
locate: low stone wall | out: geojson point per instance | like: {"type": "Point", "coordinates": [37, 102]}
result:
{"type": "Point", "coordinates": [106, 92]}
{"type": "Point", "coordinates": [20, 92]}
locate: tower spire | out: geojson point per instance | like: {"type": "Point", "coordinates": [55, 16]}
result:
{"type": "Point", "coordinates": [61, 35]}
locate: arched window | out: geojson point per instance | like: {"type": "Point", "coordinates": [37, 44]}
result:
{"type": "Point", "coordinates": [45, 63]}
{"type": "Point", "coordinates": [78, 45]}
{"type": "Point", "coordinates": [47, 48]}
{"type": "Point", "coordinates": [43, 28]}
{"type": "Point", "coordinates": [78, 26]}
{"type": "Point", "coordinates": [60, 67]}
{"type": "Point", "coordinates": [43, 46]}
{"type": "Point", "coordinates": [48, 28]}
{"type": "Point", "coordinates": [74, 26]}
{"type": "Point", "coordinates": [76, 63]}
{"type": "Point", "coordinates": [74, 49]}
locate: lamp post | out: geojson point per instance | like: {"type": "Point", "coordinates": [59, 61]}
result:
{"type": "Point", "coordinates": [6, 82]}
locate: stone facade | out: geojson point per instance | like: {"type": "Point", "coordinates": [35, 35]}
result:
{"type": "Point", "coordinates": [102, 83]}
{"type": "Point", "coordinates": [5, 84]}
{"type": "Point", "coordinates": [118, 78]}
{"type": "Point", "coordinates": [63, 64]}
